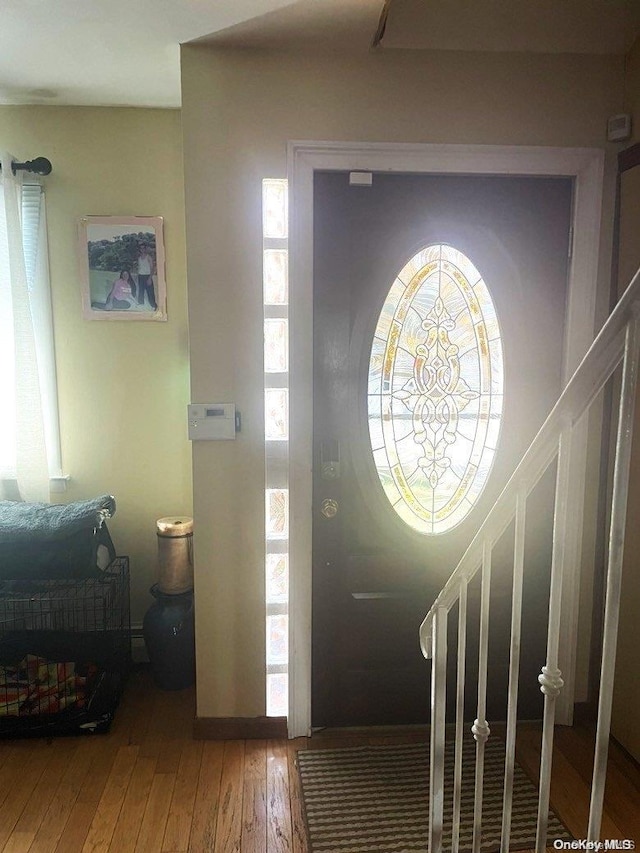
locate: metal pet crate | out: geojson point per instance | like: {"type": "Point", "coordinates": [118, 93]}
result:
{"type": "Point", "coordinates": [64, 652]}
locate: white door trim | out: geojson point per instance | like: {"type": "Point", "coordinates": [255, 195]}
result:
{"type": "Point", "coordinates": [586, 166]}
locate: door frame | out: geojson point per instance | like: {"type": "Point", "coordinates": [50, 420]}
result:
{"type": "Point", "coordinates": [586, 167]}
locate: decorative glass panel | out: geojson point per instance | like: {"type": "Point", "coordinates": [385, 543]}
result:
{"type": "Point", "coordinates": [277, 694]}
{"type": "Point", "coordinates": [277, 578]}
{"type": "Point", "coordinates": [277, 640]}
{"type": "Point", "coordinates": [276, 414]}
{"type": "Point", "coordinates": [275, 276]}
{"type": "Point", "coordinates": [274, 208]}
{"type": "Point", "coordinates": [276, 346]}
{"type": "Point", "coordinates": [435, 389]}
{"type": "Point", "coordinates": [277, 521]}
{"type": "Point", "coordinates": [276, 361]}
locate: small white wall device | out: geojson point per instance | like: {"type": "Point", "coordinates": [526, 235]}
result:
{"type": "Point", "coordinates": [619, 128]}
{"type": "Point", "coordinates": [360, 179]}
{"type": "Point", "coordinates": [212, 421]}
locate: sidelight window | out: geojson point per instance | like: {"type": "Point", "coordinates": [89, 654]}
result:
{"type": "Point", "coordinates": [276, 425]}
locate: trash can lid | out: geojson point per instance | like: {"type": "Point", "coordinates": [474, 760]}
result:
{"type": "Point", "coordinates": [174, 525]}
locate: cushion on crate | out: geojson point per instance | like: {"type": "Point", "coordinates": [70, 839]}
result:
{"type": "Point", "coordinates": [54, 540]}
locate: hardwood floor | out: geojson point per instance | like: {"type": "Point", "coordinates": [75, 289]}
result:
{"type": "Point", "coordinates": [147, 786]}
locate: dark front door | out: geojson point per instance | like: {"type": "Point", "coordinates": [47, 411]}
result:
{"type": "Point", "coordinates": [375, 571]}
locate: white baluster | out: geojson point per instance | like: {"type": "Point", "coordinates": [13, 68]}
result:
{"type": "Point", "coordinates": [438, 720]}
{"type": "Point", "coordinates": [550, 678]}
{"type": "Point", "coordinates": [457, 773]}
{"type": "Point", "coordinates": [481, 731]}
{"type": "Point", "coordinates": [514, 667]}
{"type": "Point", "coordinates": [614, 573]}
{"type": "Point", "coordinates": [480, 726]}
{"type": "Point", "coordinates": [551, 682]}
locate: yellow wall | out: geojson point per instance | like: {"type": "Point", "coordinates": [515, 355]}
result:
{"type": "Point", "coordinates": [632, 88]}
{"type": "Point", "coordinates": [123, 386]}
{"type": "Point", "coordinates": [239, 110]}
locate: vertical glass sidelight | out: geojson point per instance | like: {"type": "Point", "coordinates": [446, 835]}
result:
{"type": "Point", "coordinates": [435, 389]}
{"type": "Point", "coordinates": [276, 414]}
{"type": "Point", "coordinates": [276, 345]}
{"type": "Point", "coordinates": [275, 256]}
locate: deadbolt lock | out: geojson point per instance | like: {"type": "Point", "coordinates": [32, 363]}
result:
{"type": "Point", "coordinates": [330, 470]}
{"type": "Point", "coordinates": [330, 460]}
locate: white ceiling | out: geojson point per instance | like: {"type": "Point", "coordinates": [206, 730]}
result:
{"type": "Point", "coordinates": [126, 52]}
{"type": "Point", "coordinates": [106, 52]}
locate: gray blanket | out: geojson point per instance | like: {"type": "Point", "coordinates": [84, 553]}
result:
{"type": "Point", "coordinates": [30, 522]}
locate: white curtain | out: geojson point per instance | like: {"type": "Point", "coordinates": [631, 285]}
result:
{"type": "Point", "coordinates": [22, 434]}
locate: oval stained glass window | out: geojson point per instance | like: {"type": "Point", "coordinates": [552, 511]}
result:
{"type": "Point", "coordinates": [435, 389]}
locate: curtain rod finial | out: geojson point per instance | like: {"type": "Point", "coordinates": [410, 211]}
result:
{"type": "Point", "coordinates": [39, 166]}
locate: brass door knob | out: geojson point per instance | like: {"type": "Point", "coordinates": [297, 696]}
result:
{"type": "Point", "coordinates": [329, 508]}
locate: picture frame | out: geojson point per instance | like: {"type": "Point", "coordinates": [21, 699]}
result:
{"type": "Point", "coordinates": [122, 268]}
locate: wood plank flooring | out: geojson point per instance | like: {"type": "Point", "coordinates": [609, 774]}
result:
{"type": "Point", "coordinates": [148, 787]}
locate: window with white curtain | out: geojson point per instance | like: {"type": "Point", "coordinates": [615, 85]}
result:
{"type": "Point", "coordinates": [27, 386]}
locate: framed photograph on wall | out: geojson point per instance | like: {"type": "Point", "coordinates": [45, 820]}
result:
{"type": "Point", "coordinates": [122, 267]}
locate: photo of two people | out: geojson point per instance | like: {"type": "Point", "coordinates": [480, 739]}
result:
{"type": "Point", "coordinates": [124, 264]}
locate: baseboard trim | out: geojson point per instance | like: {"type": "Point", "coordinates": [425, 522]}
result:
{"type": "Point", "coordinates": [239, 728]}
{"type": "Point", "coordinates": [138, 647]}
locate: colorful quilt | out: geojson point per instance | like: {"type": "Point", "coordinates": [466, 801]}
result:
{"type": "Point", "coordinates": [39, 686]}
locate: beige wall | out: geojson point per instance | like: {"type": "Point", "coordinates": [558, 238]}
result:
{"type": "Point", "coordinates": [626, 697]}
{"type": "Point", "coordinates": [123, 386]}
{"type": "Point", "coordinates": [239, 110]}
{"type": "Point", "coordinates": [632, 88]}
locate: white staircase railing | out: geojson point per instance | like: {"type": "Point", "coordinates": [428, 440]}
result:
{"type": "Point", "coordinates": [618, 341]}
